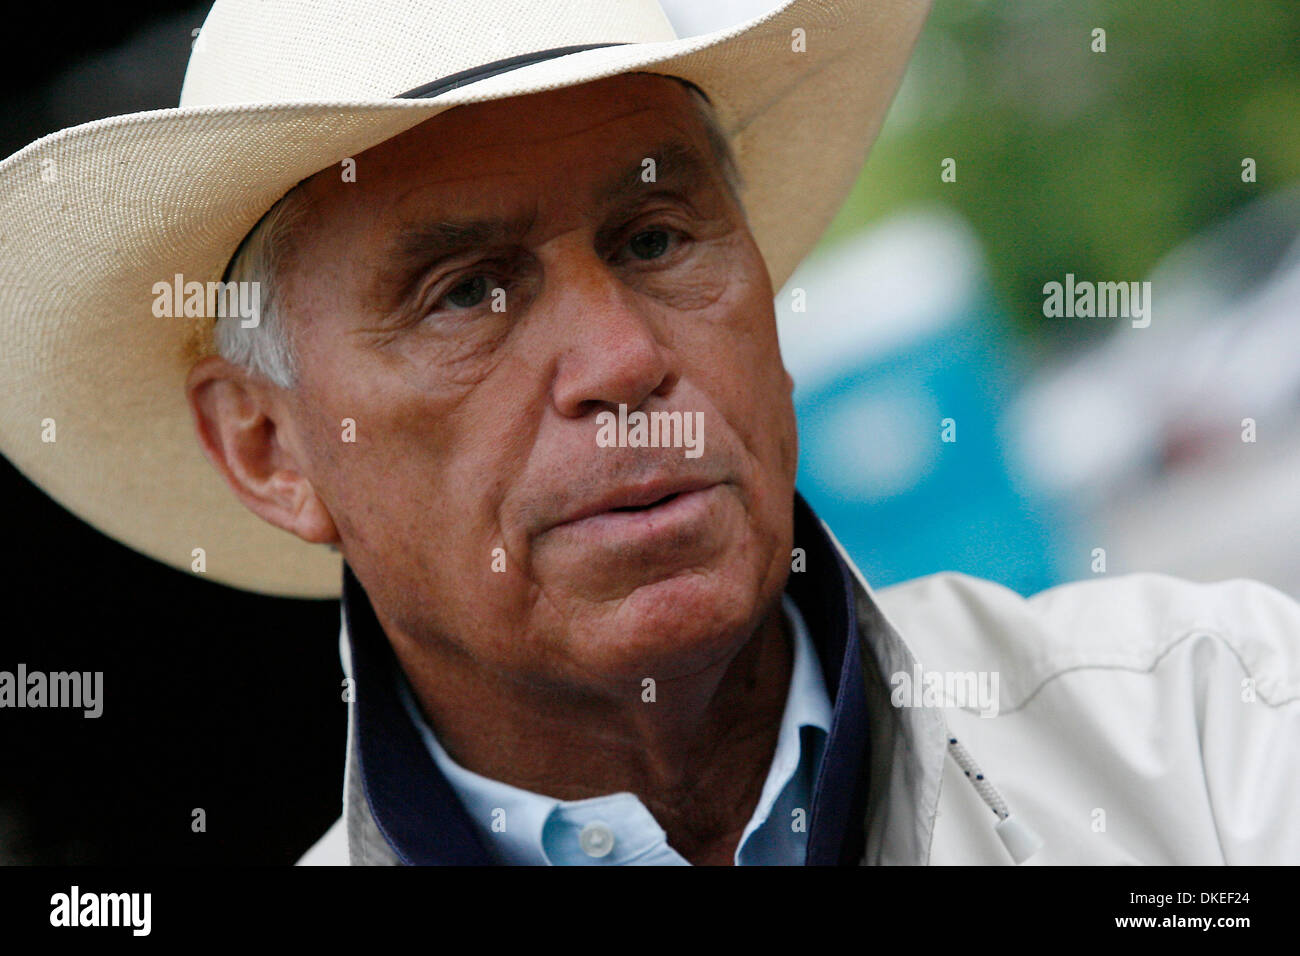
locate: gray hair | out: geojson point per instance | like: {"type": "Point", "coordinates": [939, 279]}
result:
{"type": "Point", "coordinates": [267, 349]}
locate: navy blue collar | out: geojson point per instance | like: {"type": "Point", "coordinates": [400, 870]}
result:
{"type": "Point", "coordinates": [418, 812]}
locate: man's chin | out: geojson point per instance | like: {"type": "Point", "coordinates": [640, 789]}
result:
{"type": "Point", "coordinates": [674, 627]}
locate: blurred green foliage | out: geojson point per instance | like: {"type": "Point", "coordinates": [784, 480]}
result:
{"type": "Point", "coordinates": [1069, 160]}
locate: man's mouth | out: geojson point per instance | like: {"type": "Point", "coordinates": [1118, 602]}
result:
{"type": "Point", "coordinates": [648, 499]}
{"type": "Point", "coordinates": [654, 504]}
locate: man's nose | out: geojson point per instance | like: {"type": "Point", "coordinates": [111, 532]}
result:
{"type": "Point", "coordinates": [606, 339]}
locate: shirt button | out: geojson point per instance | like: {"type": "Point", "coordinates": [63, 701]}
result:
{"type": "Point", "coordinates": [596, 840]}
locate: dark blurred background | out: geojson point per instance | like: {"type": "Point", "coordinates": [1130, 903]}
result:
{"type": "Point", "coordinates": [214, 698]}
{"type": "Point", "coordinates": [924, 302]}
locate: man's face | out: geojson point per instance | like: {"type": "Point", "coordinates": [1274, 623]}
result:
{"type": "Point", "coordinates": [476, 410]}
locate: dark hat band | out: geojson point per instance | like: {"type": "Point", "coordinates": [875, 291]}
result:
{"type": "Point", "coordinates": [474, 74]}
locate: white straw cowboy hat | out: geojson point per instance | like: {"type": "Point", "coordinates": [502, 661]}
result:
{"type": "Point", "coordinates": [92, 217]}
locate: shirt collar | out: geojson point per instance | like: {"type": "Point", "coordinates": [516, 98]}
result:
{"type": "Point", "coordinates": [413, 807]}
{"type": "Point", "coordinates": [800, 742]}
{"type": "Point", "coordinates": [529, 828]}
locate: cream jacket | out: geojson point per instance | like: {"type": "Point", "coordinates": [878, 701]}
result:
{"type": "Point", "coordinates": [1137, 720]}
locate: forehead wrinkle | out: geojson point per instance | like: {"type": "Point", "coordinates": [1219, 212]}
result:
{"type": "Point", "coordinates": [543, 136]}
{"type": "Point", "coordinates": [675, 160]}
{"type": "Point", "coordinates": [473, 157]}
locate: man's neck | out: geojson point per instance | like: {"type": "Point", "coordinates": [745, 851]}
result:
{"type": "Point", "coordinates": [698, 763]}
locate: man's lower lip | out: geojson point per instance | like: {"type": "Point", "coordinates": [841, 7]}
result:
{"type": "Point", "coordinates": [669, 516]}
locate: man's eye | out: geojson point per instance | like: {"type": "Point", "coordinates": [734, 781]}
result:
{"type": "Point", "coordinates": [650, 244]}
{"type": "Point", "coordinates": [469, 293]}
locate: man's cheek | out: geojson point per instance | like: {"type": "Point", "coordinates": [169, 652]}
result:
{"type": "Point", "coordinates": [712, 283]}
{"type": "Point", "coordinates": [695, 290]}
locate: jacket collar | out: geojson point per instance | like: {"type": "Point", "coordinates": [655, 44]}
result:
{"type": "Point", "coordinates": [881, 764]}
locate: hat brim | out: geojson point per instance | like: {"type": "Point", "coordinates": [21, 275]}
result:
{"type": "Point", "coordinates": [94, 215]}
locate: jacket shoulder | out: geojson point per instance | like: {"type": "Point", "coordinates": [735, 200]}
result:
{"type": "Point", "coordinates": [330, 850]}
{"type": "Point", "coordinates": [957, 622]}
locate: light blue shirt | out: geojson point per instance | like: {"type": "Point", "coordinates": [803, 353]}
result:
{"type": "Point", "coordinates": [525, 828]}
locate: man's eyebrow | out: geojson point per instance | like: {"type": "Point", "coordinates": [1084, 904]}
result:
{"type": "Point", "coordinates": [419, 247]}
{"type": "Point", "coordinates": [675, 164]}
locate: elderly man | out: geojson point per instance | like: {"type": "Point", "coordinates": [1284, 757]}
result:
{"type": "Point", "coordinates": [528, 580]}
{"type": "Point", "coordinates": [571, 638]}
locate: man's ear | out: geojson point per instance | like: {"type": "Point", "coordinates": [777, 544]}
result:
{"type": "Point", "coordinates": [236, 415]}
